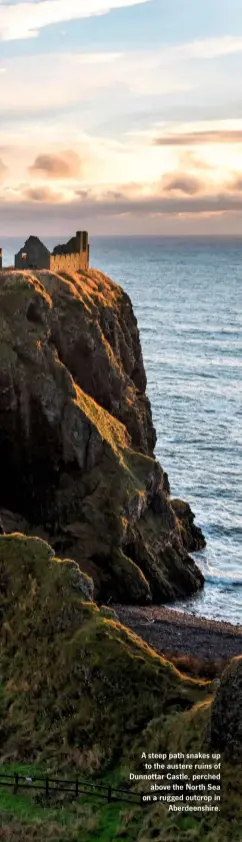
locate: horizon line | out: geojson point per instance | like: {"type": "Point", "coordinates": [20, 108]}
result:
{"type": "Point", "coordinates": [217, 236]}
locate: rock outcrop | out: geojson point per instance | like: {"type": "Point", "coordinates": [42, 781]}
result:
{"type": "Point", "coordinates": [226, 714]}
{"type": "Point", "coordinates": [65, 667]}
{"type": "Point", "coordinates": [77, 439]}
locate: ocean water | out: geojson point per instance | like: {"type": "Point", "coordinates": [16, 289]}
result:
{"type": "Point", "coordinates": [187, 296]}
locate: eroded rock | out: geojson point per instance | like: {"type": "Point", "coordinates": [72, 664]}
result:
{"type": "Point", "coordinates": [226, 713]}
{"type": "Point", "coordinates": [77, 439]}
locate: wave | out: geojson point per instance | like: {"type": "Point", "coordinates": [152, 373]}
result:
{"type": "Point", "coordinates": [224, 531]}
{"type": "Point", "coordinates": [221, 580]}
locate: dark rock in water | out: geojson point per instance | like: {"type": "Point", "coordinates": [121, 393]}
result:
{"type": "Point", "coordinates": [226, 714]}
{"type": "Point", "coordinates": [192, 535]}
{"type": "Point", "coordinates": [166, 483]}
{"type": "Point", "coordinates": [77, 438]}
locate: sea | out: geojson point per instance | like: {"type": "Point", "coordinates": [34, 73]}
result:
{"type": "Point", "coordinates": [187, 297]}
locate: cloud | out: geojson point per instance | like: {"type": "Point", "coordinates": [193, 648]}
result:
{"type": "Point", "coordinates": [236, 184]}
{"type": "Point", "coordinates": [41, 195]}
{"type": "Point", "coordinates": [188, 160]}
{"type": "Point", "coordinates": [114, 193]}
{"type": "Point", "coordinates": [169, 215]}
{"type": "Point", "coordinates": [199, 138]}
{"type": "Point", "coordinates": [26, 19]}
{"type": "Point", "coordinates": [43, 83]}
{"type": "Point", "coordinates": [210, 203]}
{"type": "Point", "coordinates": [181, 183]}
{"type": "Point", "coordinates": [206, 48]}
{"type": "Point", "coordinates": [3, 170]}
{"type": "Point", "coordinates": [67, 164]}
{"type": "Point", "coordinates": [90, 206]}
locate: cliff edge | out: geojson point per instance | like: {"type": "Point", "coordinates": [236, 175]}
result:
{"type": "Point", "coordinates": [77, 439]}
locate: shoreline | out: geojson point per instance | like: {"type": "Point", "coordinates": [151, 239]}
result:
{"type": "Point", "coordinates": [172, 632]}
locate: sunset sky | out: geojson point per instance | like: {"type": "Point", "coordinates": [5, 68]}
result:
{"type": "Point", "coordinates": [121, 117]}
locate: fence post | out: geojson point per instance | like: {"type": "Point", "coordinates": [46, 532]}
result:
{"type": "Point", "coordinates": [109, 794]}
{"type": "Point", "coordinates": [47, 786]}
{"type": "Point", "coordinates": [77, 788]}
{"type": "Point", "coordinates": [15, 789]}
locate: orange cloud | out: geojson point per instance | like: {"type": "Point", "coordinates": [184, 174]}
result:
{"type": "Point", "coordinates": [199, 138]}
{"type": "Point", "coordinates": [181, 183]}
{"type": "Point", "coordinates": [3, 170]}
{"type": "Point", "coordinates": [65, 165]}
{"type": "Point", "coordinates": [41, 195]}
{"type": "Point", "coordinates": [219, 213]}
{"type": "Point", "coordinates": [47, 202]}
{"type": "Point", "coordinates": [236, 184]}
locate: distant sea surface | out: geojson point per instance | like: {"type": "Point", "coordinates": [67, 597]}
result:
{"type": "Point", "coordinates": [187, 296]}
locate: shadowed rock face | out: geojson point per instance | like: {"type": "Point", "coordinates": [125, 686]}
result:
{"type": "Point", "coordinates": [226, 714]}
{"type": "Point", "coordinates": [77, 439]}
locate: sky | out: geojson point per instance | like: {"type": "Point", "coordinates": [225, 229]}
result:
{"type": "Point", "coordinates": [120, 117]}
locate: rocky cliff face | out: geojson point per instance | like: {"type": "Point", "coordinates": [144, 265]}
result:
{"type": "Point", "coordinates": [77, 439]}
{"type": "Point", "coordinates": [226, 713]}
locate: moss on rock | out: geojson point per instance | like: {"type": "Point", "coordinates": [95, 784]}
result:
{"type": "Point", "coordinates": [72, 677]}
{"type": "Point", "coordinates": [76, 437]}
{"type": "Point", "coordinates": [108, 612]}
{"type": "Point", "coordinates": [226, 715]}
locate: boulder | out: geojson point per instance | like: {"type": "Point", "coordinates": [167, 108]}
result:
{"type": "Point", "coordinates": [226, 713]}
{"type": "Point", "coordinates": [192, 535]}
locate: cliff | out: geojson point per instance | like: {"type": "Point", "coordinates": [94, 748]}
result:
{"type": "Point", "coordinates": [65, 667]}
{"type": "Point", "coordinates": [77, 439]}
{"type": "Point", "coordinates": [79, 692]}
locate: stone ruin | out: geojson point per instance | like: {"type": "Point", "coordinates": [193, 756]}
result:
{"type": "Point", "coordinates": [71, 256]}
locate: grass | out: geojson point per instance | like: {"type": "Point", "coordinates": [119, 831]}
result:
{"type": "Point", "coordinates": [80, 692]}
{"type": "Point", "coordinates": [23, 817]}
{"type": "Point", "coordinates": [199, 667]}
{"type": "Point", "coordinates": [88, 820]}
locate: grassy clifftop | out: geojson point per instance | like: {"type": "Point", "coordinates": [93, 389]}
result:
{"type": "Point", "coordinates": [75, 685]}
{"type": "Point", "coordinates": [81, 692]}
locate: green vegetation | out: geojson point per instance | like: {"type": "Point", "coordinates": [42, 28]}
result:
{"type": "Point", "coordinates": [79, 692]}
{"type": "Point", "coordinates": [29, 817]}
{"type": "Point", "coordinates": [84, 820]}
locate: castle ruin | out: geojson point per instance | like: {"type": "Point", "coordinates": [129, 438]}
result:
{"type": "Point", "coordinates": [66, 257]}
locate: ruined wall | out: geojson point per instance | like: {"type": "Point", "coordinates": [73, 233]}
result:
{"type": "Point", "coordinates": [40, 261]}
{"type": "Point", "coordinates": [66, 257]}
{"type": "Point", "coordinates": [69, 262]}
{"type": "Point", "coordinates": [33, 255]}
